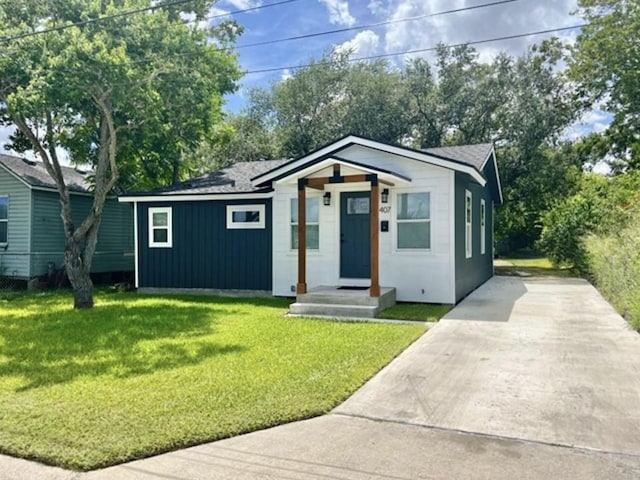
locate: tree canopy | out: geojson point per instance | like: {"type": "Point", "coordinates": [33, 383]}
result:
{"type": "Point", "coordinates": [605, 62]}
{"type": "Point", "coordinates": [127, 95]}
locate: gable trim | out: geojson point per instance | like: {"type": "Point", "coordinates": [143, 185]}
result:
{"type": "Point", "coordinates": [286, 169]}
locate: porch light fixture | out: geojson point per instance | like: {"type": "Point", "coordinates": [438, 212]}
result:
{"type": "Point", "coordinates": [326, 198]}
{"type": "Point", "coordinates": [384, 196]}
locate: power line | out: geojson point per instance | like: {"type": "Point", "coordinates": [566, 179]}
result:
{"type": "Point", "coordinates": [92, 20]}
{"type": "Point", "coordinates": [423, 50]}
{"type": "Point", "coordinates": [373, 25]}
{"type": "Point", "coordinates": [133, 12]}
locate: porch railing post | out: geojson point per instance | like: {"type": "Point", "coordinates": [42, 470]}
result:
{"type": "Point", "coordinates": [375, 245]}
{"type": "Point", "coordinates": [301, 287]}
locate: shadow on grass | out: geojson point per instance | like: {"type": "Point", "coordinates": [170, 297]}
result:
{"type": "Point", "coordinates": [121, 340]}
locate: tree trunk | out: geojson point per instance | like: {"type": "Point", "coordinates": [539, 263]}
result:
{"type": "Point", "coordinates": [78, 273]}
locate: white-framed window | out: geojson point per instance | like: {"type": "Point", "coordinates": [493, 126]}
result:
{"type": "Point", "coordinates": [160, 227]}
{"type": "Point", "coordinates": [4, 220]}
{"type": "Point", "coordinates": [313, 223]}
{"type": "Point", "coordinates": [245, 216]}
{"type": "Point", "coordinates": [483, 227]}
{"type": "Point", "coordinates": [413, 221]}
{"type": "Point", "coordinates": [468, 211]}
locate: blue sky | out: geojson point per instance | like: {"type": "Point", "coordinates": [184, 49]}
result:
{"type": "Point", "coordinates": [302, 17]}
{"type": "Point", "coordinates": [309, 16]}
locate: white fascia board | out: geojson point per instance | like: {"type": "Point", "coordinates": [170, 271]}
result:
{"type": "Point", "coordinates": [308, 158]}
{"type": "Point", "coordinates": [21, 180]}
{"type": "Point", "coordinates": [195, 198]}
{"type": "Point", "coordinates": [402, 152]}
{"type": "Point", "coordinates": [332, 161]}
{"type": "Point", "coordinates": [492, 156]}
{"type": "Point", "coordinates": [495, 166]}
{"type": "Point", "coordinates": [424, 157]}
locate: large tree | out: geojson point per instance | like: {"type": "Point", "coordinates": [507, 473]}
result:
{"type": "Point", "coordinates": [127, 94]}
{"type": "Point", "coordinates": [605, 62]}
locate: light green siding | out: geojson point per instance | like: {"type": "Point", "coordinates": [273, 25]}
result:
{"type": "Point", "coordinates": [14, 259]}
{"type": "Point", "coordinates": [114, 251]}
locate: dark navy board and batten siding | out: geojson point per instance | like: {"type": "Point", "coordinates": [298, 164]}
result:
{"type": "Point", "coordinates": [472, 272]}
{"type": "Point", "coordinates": [205, 254]}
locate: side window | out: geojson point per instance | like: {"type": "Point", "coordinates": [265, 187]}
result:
{"type": "Point", "coordinates": [4, 220]}
{"type": "Point", "coordinates": [468, 239]}
{"type": "Point", "coordinates": [313, 223]}
{"type": "Point", "coordinates": [160, 227]}
{"type": "Point", "coordinates": [245, 216]}
{"type": "Point", "coordinates": [413, 219]}
{"type": "Point", "coordinates": [483, 227]}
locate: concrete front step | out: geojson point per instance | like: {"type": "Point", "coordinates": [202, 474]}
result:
{"type": "Point", "coordinates": [334, 296]}
{"type": "Point", "coordinates": [332, 302]}
{"type": "Point", "coordinates": [334, 310]}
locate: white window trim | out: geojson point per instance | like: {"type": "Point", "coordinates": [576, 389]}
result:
{"type": "Point", "coordinates": [260, 224]}
{"type": "Point", "coordinates": [483, 227]}
{"type": "Point", "coordinates": [169, 227]}
{"type": "Point", "coordinates": [5, 220]}
{"type": "Point", "coordinates": [412, 220]}
{"type": "Point", "coordinates": [291, 224]}
{"type": "Point", "coordinates": [468, 222]}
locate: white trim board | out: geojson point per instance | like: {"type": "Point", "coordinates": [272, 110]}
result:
{"type": "Point", "coordinates": [194, 197]}
{"type": "Point", "coordinates": [353, 140]}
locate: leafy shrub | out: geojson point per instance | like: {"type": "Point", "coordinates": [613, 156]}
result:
{"type": "Point", "coordinates": [602, 206]}
{"type": "Point", "coordinates": [614, 263]}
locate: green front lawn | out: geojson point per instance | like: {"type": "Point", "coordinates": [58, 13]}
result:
{"type": "Point", "coordinates": [139, 375]}
{"type": "Point", "coordinates": [538, 266]}
{"type": "Point", "coordinates": [420, 312]}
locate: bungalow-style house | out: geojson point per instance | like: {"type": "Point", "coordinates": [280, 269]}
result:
{"type": "Point", "coordinates": [31, 233]}
{"type": "Point", "coordinates": [355, 214]}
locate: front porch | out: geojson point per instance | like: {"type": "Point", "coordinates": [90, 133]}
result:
{"type": "Point", "coordinates": [333, 301]}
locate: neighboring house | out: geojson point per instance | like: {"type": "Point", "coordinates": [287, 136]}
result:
{"type": "Point", "coordinates": [31, 234]}
{"type": "Point", "coordinates": [370, 214]}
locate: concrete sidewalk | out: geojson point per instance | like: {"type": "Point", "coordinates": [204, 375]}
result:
{"type": "Point", "coordinates": [527, 378]}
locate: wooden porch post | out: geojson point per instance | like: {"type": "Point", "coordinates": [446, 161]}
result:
{"type": "Point", "coordinates": [301, 287]}
{"type": "Point", "coordinates": [375, 246]}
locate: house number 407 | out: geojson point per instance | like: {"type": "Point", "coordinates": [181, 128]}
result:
{"type": "Point", "coordinates": [385, 209]}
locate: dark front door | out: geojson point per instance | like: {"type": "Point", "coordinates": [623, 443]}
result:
{"type": "Point", "coordinates": [355, 241]}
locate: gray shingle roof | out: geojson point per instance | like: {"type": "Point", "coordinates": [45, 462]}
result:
{"type": "Point", "coordinates": [473, 155]}
{"type": "Point", "coordinates": [36, 175]}
{"type": "Point", "coordinates": [235, 178]}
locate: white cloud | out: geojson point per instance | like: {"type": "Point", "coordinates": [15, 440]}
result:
{"type": "Point", "coordinates": [592, 121]}
{"type": "Point", "coordinates": [339, 12]}
{"type": "Point", "coordinates": [242, 4]}
{"type": "Point", "coordinates": [472, 24]}
{"type": "Point", "coordinates": [364, 44]}
{"type": "Point", "coordinates": [286, 75]}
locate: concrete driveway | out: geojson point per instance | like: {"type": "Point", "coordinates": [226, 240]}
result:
{"type": "Point", "coordinates": [526, 378]}
{"type": "Point", "coordinates": [540, 359]}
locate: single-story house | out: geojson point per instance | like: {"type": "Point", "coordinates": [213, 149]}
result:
{"type": "Point", "coordinates": [368, 213]}
{"type": "Point", "coordinates": [32, 237]}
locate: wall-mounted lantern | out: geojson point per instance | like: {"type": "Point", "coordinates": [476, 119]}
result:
{"type": "Point", "coordinates": [326, 198]}
{"type": "Point", "coordinates": [384, 196]}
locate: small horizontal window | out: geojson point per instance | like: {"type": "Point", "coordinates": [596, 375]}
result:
{"type": "Point", "coordinates": [245, 216]}
{"type": "Point", "coordinates": [4, 220]}
{"type": "Point", "coordinates": [160, 227]}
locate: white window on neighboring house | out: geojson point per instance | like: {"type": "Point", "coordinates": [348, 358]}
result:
{"type": "Point", "coordinates": [4, 220]}
{"type": "Point", "coordinates": [483, 227]}
{"type": "Point", "coordinates": [313, 223]}
{"type": "Point", "coordinates": [160, 227]}
{"type": "Point", "coordinates": [468, 239]}
{"type": "Point", "coordinates": [245, 216]}
{"type": "Point", "coordinates": [413, 221]}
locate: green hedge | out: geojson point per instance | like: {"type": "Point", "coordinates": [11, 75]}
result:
{"type": "Point", "coordinates": [614, 263]}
